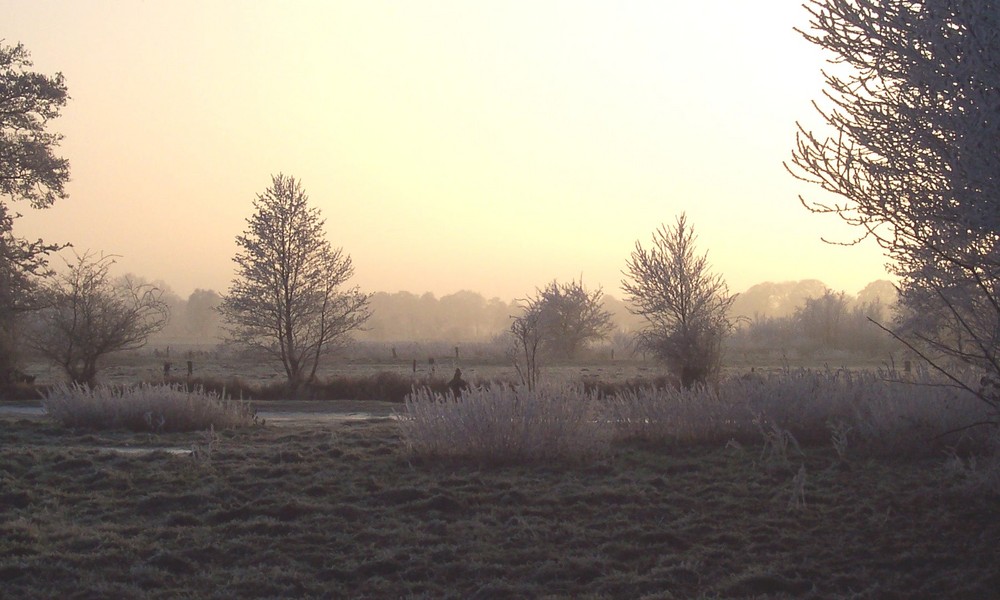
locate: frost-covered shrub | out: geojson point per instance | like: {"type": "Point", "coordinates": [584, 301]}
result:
{"type": "Point", "coordinates": [693, 415]}
{"type": "Point", "coordinates": [871, 411]}
{"type": "Point", "coordinates": [505, 424]}
{"type": "Point", "coordinates": [157, 408]}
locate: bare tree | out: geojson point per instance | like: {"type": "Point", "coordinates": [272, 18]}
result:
{"type": "Point", "coordinates": [88, 315]}
{"type": "Point", "coordinates": [570, 317]}
{"type": "Point", "coordinates": [555, 323]}
{"type": "Point", "coordinates": [287, 299]}
{"type": "Point", "coordinates": [912, 154]}
{"type": "Point", "coordinates": [684, 305]}
{"type": "Point", "coordinates": [526, 331]}
{"type": "Point", "coordinates": [29, 172]}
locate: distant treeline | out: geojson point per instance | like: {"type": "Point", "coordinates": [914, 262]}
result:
{"type": "Point", "coordinates": [773, 313]}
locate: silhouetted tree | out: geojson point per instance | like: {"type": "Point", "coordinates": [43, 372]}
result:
{"type": "Point", "coordinates": [571, 317]}
{"type": "Point", "coordinates": [823, 320]}
{"type": "Point", "coordinates": [29, 172]}
{"type": "Point", "coordinates": [913, 151]}
{"type": "Point", "coordinates": [89, 315]}
{"type": "Point", "coordinates": [287, 298]}
{"type": "Point", "coordinates": [460, 317]}
{"type": "Point", "coordinates": [201, 319]}
{"type": "Point", "coordinates": [770, 299]}
{"type": "Point", "coordinates": [684, 305]}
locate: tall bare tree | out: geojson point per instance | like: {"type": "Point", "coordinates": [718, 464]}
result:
{"type": "Point", "coordinates": [912, 155]}
{"type": "Point", "coordinates": [684, 305]}
{"type": "Point", "coordinates": [88, 315]}
{"type": "Point", "coordinates": [287, 298]}
{"type": "Point", "coordinates": [29, 172]}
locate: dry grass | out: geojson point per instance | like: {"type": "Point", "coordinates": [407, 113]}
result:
{"type": "Point", "coordinates": [153, 408]}
{"type": "Point", "coordinates": [804, 484]}
{"type": "Point", "coordinates": [346, 512]}
{"type": "Point", "coordinates": [504, 424]}
{"type": "Point", "coordinates": [860, 412]}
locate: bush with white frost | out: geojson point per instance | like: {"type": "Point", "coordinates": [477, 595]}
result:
{"type": "Point", "coordinates": [877, 412]}
{"type": "Point", "coordinates": [858, 413]}
{"type": "Point", "coordinates": [156, 408]}
{"type": "Point", "coordinates": [505, 424]}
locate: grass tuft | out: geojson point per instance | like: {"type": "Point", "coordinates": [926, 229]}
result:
{"type": "Point", "coordinates": [884, 415]}
{"type": "Point", "coordinates": [152, 408]}
{"type": "Point", "coordinates": [505, 424]}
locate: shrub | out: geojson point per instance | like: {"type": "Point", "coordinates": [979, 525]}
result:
{"type": "Point", "coordinates": [678, 415]}
{"type": "Point", "coordinates": [156, 408]}
{"type": "Point", "coordinates": [979, 473]}
{"type": "Point", "coordinates": [874, 412]}
{"type": "Point", "coordinates": [233, 387]}
{"type": "Point", "coordinates": [386, 386]}
{"type": "Point", "coordinates": [505, 424]}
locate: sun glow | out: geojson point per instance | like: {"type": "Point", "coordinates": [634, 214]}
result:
{"type": "Point", "coordinates": [450, 145]}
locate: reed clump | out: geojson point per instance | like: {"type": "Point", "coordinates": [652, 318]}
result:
{"type": "Point", "coordinates": [504, 424]}
{"type": "Point", "coordinates": [152, 408]}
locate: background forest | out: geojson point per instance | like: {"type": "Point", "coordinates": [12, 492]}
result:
{"type": "Point", "coordinates": [804, 316]}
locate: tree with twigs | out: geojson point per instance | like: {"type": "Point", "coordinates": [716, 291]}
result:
{"type": "Point", "coordinates": [684, 305]}
{"type": "Point", "coordinates": [88, 314]}
{"type": "Point", "coordinates": [527, 332]}
{"type": "Point", "coordinates": [288, 297]}
{"type": "Point", "coordinates": [557, 322]}
{"type": "Point", "coordinates": [30, 172]}
{"type": "Point", "coordinates": [912, 154]}
{"type": "Point", "coordinates": [571, 317]}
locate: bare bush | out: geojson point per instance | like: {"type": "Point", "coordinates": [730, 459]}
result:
{"type": "Point", "coordinates": [885, 414]}
{"type": "Point", "coordinates": [505, 424]}
{"type": "Point", "coordinates": [155, 408]}
{"type": "Point", "coordinates": [89, 314]}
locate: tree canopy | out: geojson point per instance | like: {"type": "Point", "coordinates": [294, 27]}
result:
{"type": "Point", "coordinates": [30, 172]}
{"type": "Point", "coordinates": [911, 153]}
{"type": "Point", "coordinates": [88, 314]}
{"type": "Point", "coordinates": [29, 168]}
{"type": "Point", "coordinates": [288, 298]}
{"type": "Point", "coordinates": [685, 306]}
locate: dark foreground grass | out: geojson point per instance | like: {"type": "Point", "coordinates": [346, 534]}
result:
{"type": "Point", "coordinates": [339, 511]}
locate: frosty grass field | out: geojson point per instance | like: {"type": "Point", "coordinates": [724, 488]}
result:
{"type": "Point", "coordinates": [801, 485]}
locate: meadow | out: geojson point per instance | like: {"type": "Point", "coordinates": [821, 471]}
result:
{"type": "Point", "coordinates": [345, 511]}
{"type": "Point", "coordinates": [804, 484]}
{"type": "Point", "coordinates": [369, 371]}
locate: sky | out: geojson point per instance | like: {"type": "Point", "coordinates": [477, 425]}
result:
{"type": "Point", "coordinates": [450, 145]}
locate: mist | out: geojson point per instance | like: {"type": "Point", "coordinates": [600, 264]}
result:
{"type": "Point", "coordinates": [470, 317]}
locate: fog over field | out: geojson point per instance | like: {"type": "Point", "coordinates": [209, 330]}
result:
{"type": "Point", "coordinates": [499, 299]}
{"type": "Point", "coordinates": [469, 316]}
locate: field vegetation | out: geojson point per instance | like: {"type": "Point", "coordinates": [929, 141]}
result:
{"type": "Point", "coordinates": [162, 408]}
{"type": "Point", "coordinates": [805, 484]}
{"type": "Point", "coordinates": [603, 476]}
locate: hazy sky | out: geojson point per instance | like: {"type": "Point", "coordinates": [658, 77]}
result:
{"type": "Point", "coordinates": [490, 146]}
